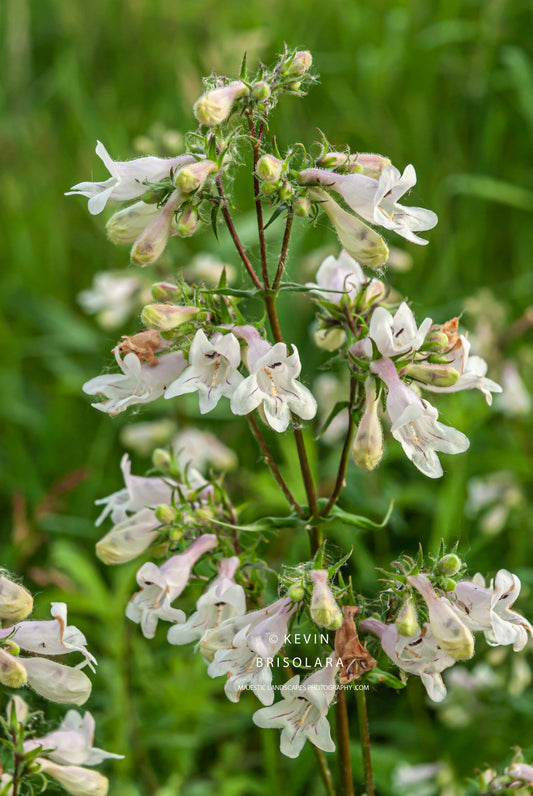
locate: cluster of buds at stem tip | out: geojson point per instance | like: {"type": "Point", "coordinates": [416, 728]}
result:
{"type": "Point", "coordinates": [324, 609]}
{"type": "Point", "coordinates": [367, 448]}
{"type": "Point", "coordinates": [215, 106]}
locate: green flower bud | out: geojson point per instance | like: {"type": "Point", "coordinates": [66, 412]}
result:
{"type": "Point", "coordinates": [435, 375]}
{"type": "Point", "coordinates": [15, 601]}
{"type": "Point", "coordinates": [285, 191]}
{"type": "Point", "coordinates": [407, 620]}
{"type": "Point", "coordinates": [437, 340]}
{"type": "Point", "coordinates": [164, 291]}
{"type": "Point", "coordinates": [330, 339]}
{"type": "Point", "coordinates": [193, 177]}
{"type": "Point", "coordinates": [296, 592]}
{"type": "Point", "coordinates": [269, 168]}
{"type": "Point", "coordinates": [450, 564]}
{"type": "Point", "coordinates": [165, 317]}
{"type": "Point", "coordinates": [166, 514]}
{"type": "Point", "coordinates": [449, 584]}
{"type": "Point", "coordinates": [12, 672]}
{"type": "Point", "coordinates": [161, 459]}
{"type": "Point", "coordinates": [188, 223]}
{"type": "Point", "coordinates": [300, 64]}
{"type": "Point", "coordinates": [261, 91]}
{"type": "Point", "coordinates": [324, 609]}
{"type": "Point", "coordinates": [269, 188]}
{"type": "Point", "coordinates": [302, 207]}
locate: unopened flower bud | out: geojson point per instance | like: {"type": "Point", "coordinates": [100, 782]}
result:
{"type": "Point", "coordinates": [188, 222]}
{"type": "Point", "coordinates": [125, 226]}
{"type": "Point", "coordinates": [437, 340]}
{"type": "Point", "coordinates": [193, 177]}
{"type": "Point", "coordinates": [166, 317]}
{"type": "Point", "coordinates": [369, 164]}
{"type": "Point", "coordinates": [334, 160]}
{"type": "Point", "coordinates": [15, 601]}
{"type": "Point", "coordinates": [450, 564]}
{"type": "Point", "coordinates": [330, 339]}
{"type": "Point", "coordinates": [261, 91]}
{"type": "Point", "coordinates": [19, 708]}
{"type": "Point", "coordinates": [407, 620]}
{"type": "Point", "coordinates": [285, 191]}
{"type": "Point", "coordinates": [10, 646]}
{"type": "Point", "coordinates": [269, 168]}
{"type": "Point", "coordinates": [164, 291]}
{"type": "Point", "coordinates": [367, 448]}
{"type": "Point", "coordinates": [375, 292]}
{"type": "Point", "coordinates": [166, 514]}
{"type": "Point", "coordinates": [215, 106]}
{"type": "Point", "coordinates": [296, 592]}
{"type": "Point", "coordinates": [435, 375]}
{"type": "Point", "coordinates": [161, 459]}
{"type": "Point", "coordinates": [300, 64]}
{"type": "Point", "coordinates": [302, 207]}
{"type": "Point", "coordinates": [269, 188]}
{"type": "Point", "coordinates": [449, 584]}
{"type": "Point", "coordinates": [451, 634]}
{"type": "Point", "coordinates": [12, 672]}
{"type": "Point", "coordinates": [324, 609]}
{"type": "Point", "coordinates": [152, 242]}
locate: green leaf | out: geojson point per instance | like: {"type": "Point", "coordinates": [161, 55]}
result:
{"type": "Point", "coordinates": [358, 520]}
{"type": "Point", "coordinates": [214, 215]}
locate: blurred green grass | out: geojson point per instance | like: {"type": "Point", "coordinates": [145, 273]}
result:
{"type": "Point", "coordinates": [447, 86]}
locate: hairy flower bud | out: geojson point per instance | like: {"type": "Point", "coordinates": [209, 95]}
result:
{"type": "Point", "coordinates": [296, 592]}
{"type": "Point", "coordinates": [451, 634]}
{"type": "Point", "coordinates": [193, 177]}
{"type": "Point", "coordinates": [324, 609]}
{"type": "Point", "coordinates": [369, 164]}
{"type": "Point", "coordinates": [151, 244]}
{"type": "Point", "coordinates": [407, 620]}
{"type": "Point", "coordinates": [330, 339]}
{"type": "Point", "coordinates": [125, 226]}
{"type": "Point", "coordinates": [165, 513]}
{"type": "Point", "coordinates": [161, 459]}
{"type": "Point", "coordinates": [302, 207]}
{"type": "Point", "coordinates": [164, 291]}
{"type": "Point", "coordinates": [215, 106]}
{"type": "Point", "coordinates": [15, 601]}
{"type": "Point", "coordinates": [166, 317]}
{"type": "Point", "coordinates": [19, 707]}
{"type": "Point", "coordinates": [435, 375]}
{"type": "Point", "coordinates": [188, 222]}
{"type": "Point", "coordinates": [300, 64]}
{"type": "Point", "coordinates": [367, 448]}
{"type": "Point", "coordinates": [12, 672]}
{"type": "Point", "coordinates": [261, 91]}
{"type": "Point", "coordinates": [269, 168]}
{"type": "Point", "coordinates": [450, 564]}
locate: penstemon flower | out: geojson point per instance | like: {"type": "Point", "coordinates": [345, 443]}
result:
{"type": "Point", "coordinates": [212, 370]}
{"type": "Point", "coordinates": [397, 335]}
{"type": "Point", "coordinates": [301, 715]}
{"type": "Point", "coordinates": [72, 742]}
{"type": "Point", "coordinates": [128, 179]}
{"type": "Point", "coordinates": [76, 780]}
{"type": "Point", "coordinates": [451, 634]}
{"type": "Point", "coordinates": [339, 277]}
{"type": "Point", "coordinates": [471, 372]}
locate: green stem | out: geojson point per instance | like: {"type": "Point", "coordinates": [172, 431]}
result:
{"type": "Point", "coordinates": [325, 773]}
{"type": "Point", "coordinates": [365, 741]}
{"type": "Point", "coordinates": [284, 251]}
{"type": "Point", "coordinates": [235, 237]}
{"type": "Point", "coordinates": [269, 459]}
{"type": "Point", "coordinates": [343, 745]}
{"type": "Point", "coordinates": [345, 456]}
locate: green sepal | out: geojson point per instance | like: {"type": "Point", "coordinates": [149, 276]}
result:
{"type": "Point", "coordinates": [380, 676]}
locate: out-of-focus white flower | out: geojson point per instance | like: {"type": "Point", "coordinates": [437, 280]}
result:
{"type": "Point", "coordinates": [111, 298]}
{"type": "Point", "coordinates": [419, 654]}
{"type": "Point", "coordinates": [396, 335]}
{"type": "Point", "coordinates": [76, 780]}
{"type": "Point", "coordinates": [272, 384]}
{"type": "Point", "coordinates": [138, 493]}
{"type": "Point", "coordinates": [202, 450]}
{"type": "Point", "coordinates": [212, 370]}
{"type": "Point", "coordinates": [129, 538]}
{"type": "Point", "coordinates": [246, 664]}
{"type": "Point", "coordinates": [137, 384]}
{"type": "Point", "coordinates": [52, 637]}
{"type": "Point", "coordinates": [451, 633]}
{"type": "Point", "coordinates": [494, 495]}
{"type": "Point", "coordinates": [376, 200]}
{"type": "Point", "coordinates": [206, 268]}
{"type": "Point", "coordinates": [160, 586]}
{"type": "Point", "coordinates": [515, 401]}
{"type": "Point", "coordinates": [489, 609]}
{"type": "Point", "coordinates": [223, 599]}
{"type": "Point", "coordinates": [72, 742]}
{"type": "Point", "coordinates": [361, 241]}
{"type": "Point", "coordinates": [128, 178]}
{"type": "Point", "coordinates": [471, 370]}
{"type": "Point", "coordinates": [301, 715]}
{"type": "Point", "coordinates": [415, 425]}
{"type": "Point", "coordinates": [144, 437]}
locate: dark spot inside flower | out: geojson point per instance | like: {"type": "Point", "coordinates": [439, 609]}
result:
{"type": "Point", "coordinates": [276, 364]}
{"type": "Point", "coordinates": [211, 355]}
{"type": "Point", "coordinates": [398, 333]}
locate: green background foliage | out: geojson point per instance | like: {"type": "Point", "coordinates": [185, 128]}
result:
{"type": "Point", "coordinates": [445, 85]}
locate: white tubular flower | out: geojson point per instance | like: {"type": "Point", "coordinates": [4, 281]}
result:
{"type": "Point", "coordinates": [137, 384]}
{"type": "Point", "coordinates": [52, 637]}
{"type": "Point", "coordinates": [215, 106]}
{"type": "Point", "coordinates": [338, 277]}
{"type": "Point", "coordinates": [111, 298]}
{"type": "Point", "coordinates": [223, 600]}
{"type": "Point", "coordinates": [221, 637]}
{"type": "Point", "coordinates": [471, 370]}
{"type": "Point", "coordinates": [452, 635]}
{"type": "Point", "coordinates": [415, 425]}
{"type": "Point", "coordinates": [161, 585]}
{"type": "Point", "coordinates": [247, 664]}
{"type": "Point", "coordinates": [489, 609]}
{"type": "Point", "coordinates": [152, 241]}
{"type": "Point", "coordinates": [376, 200]}
{"type": "Point", "coordinates": [129, 538]}
{"type": "Point", "coordinates": [323, 608]}
{"type": "Point", "coordinates": [398, 335]}
{"type": "Point", "coordinates": [128, 178]}
{"type": "Point", "coordinates": [272, 384]}
{"type": "Point", "coordinates": [57, 682]}
{"type": "Point", "coordinates": [72, 742]}
{"type": "Point", "coordinates": [301, 715]}
{"type": "Point", "coordinates": [76, 780]}
{"type": "Point", "coordinates": [125, 226]}
{"type": "Point", "coordinates": [359, 240]}
{"type": "Point", "coordinates": [139, 492]}
{"type": "Point", "coordinates": [419, 654]}
{"type": "Point", "coordinates": [212, 370]}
